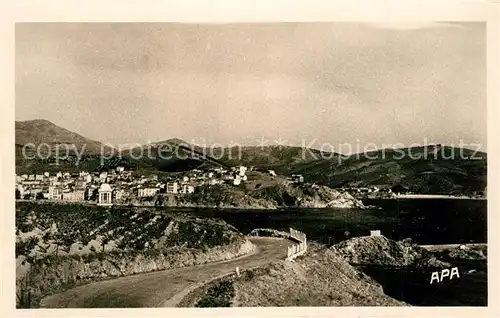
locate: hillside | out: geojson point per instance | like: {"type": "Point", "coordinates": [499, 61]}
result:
{"type": "Point", "coordinates": [320, 278]}
{"type": "Point", "coordinates": [172, 155]}
{"type": "Point", "coordinates": [433, 174]}
{"type": "Point", "coordinates": [438, 170]}
{"type": "Point", "coordinates": [276, 158]}
{"type": "Point", "coordinates": [61, 246]}
{"type": "Point", "coordinates": [40, 131]}
{"type": "Point", "coordinates": [271, 196]}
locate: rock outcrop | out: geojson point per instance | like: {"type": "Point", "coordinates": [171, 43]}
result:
{"type": "Point", "coordinates": [379, 250]}
{"type": "Point", "coordinates": [269, 233]}
{"type": "Point", "coordinates": [467, 253]}
{"type": "Point", "coordinates": [285, 195]}
{"type": "Point", "coordinates": [304, 195]}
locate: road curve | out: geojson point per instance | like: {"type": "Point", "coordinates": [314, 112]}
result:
{"type": "Point", "coordinates": [162, 288]}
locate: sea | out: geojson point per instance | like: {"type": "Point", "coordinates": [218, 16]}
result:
{"type": "Point", "coordinates": [425, 221]}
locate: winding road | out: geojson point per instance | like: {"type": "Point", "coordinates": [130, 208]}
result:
{"type": "Point", "coordinates": [163, 288]}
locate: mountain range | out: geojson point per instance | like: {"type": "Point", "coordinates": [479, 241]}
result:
{"type": "Point", "coordinates": [430, 169]}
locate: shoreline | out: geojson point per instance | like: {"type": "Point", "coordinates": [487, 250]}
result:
{"type": "Point", "coordinates": [187, 206]}
{"type": "Point", "coordinates": [439, 247]}
{"type": "Point", "coordinates": [436, 196]}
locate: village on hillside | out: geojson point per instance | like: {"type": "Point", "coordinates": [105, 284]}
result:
{"type": "Point", "coordinates": [121, 186]}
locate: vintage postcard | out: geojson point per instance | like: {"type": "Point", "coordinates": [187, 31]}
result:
{"type": "Point", "coordinates": [277, 163]}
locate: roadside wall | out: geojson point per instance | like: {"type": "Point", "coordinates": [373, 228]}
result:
{"type": "Point", "coordinates": [298, 249]}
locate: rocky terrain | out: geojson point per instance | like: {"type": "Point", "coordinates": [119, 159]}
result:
{"type": "Point", "coordinates": [320, 278]}
{"type": "Point", "coordinates": [305, 195]}
{"type": "Point", "coordinates": [269, 233]}
{"type": "Point", "coordinates": [61, 246]}
{"type": "Point", "coordinates": [381, 251]}
{"type": "Point", "coordinates": [362, 271]}
{"type": "Point", "coordinates": [277, 195]}
{"type": "Point", "coordinates": [474, 252]}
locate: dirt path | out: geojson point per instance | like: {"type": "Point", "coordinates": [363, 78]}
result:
{"type": "Point", "coordinates": [163, 288]}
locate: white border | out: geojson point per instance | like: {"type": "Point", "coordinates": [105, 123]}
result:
{"type": "Point", "coordinates": [219, 11]}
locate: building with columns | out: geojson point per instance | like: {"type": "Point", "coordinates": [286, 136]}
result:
{"type": "Point", "coordinates": [104, 195]}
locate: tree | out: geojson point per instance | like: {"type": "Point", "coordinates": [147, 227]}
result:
{"type": "Point", "coordinates": [61, 240]}
{"type": "Point", "coordinates": [39, 196]}
{"type": "Point", "coordinates": [18, 194]}
{"type": "Point", "coordinates": [104, 241]}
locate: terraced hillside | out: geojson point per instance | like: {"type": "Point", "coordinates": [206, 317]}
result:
{"type": "Point", "coordinates": [60, 246]}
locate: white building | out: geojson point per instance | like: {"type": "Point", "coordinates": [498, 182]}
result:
{"type": "Point", "coordinates": [172, 187]}
{"type": "Point", "coordinates": [120, 169]}
{"type": "Point", "coordinates": [59, 175]}
{"type": "Point", "coordinates": [375, 233]}
{"type": "Point", "coordinates": [242, 170]}
{"type": "Point", "coordinates": [20, 188]}
{"type": "Point", "coordinates": [74, 196]}
{"type": "Point", "coordinates": [120, 194]}
{"type": "Point", "coordinates": [90, 192]}
{"type": "Point", "coordinates": [55, 193]}
{"type": "Point", "coordinates": [147, 192]}
{"type": "Point", "coordinates": [187, 188]}
{"type": "Point", "coordinates": [215, 181]}
{"type": "Point", "coordinates": [105, 195]}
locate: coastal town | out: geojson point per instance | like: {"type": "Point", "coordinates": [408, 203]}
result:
{"type": "Point", "coordinates": [118, 185]}
{"type": "Point", "coordinates": [121, 186]}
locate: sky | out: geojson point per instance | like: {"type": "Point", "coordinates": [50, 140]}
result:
{"type": "Point", "coordinates": [313, 84]}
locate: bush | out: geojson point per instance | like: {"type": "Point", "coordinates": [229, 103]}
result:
{"type": "Point", "coordinates": [218, 295]}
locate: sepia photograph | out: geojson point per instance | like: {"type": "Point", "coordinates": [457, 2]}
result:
{"type": "Point", "coordinates": [255, 164]}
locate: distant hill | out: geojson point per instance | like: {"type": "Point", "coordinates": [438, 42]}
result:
{"type": "Point", "coordinates": [438, 170]}
{"type": "Point", "coordinates": [172, 155]}
{"type": "Point", "coordinates": [443, 170]}
{"type": "Point", "coordinates": [278, 158]}
{"type": "Point", "coordinates": [41, 131]}
{"type": "Point", "coordinates": [155, 157]}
